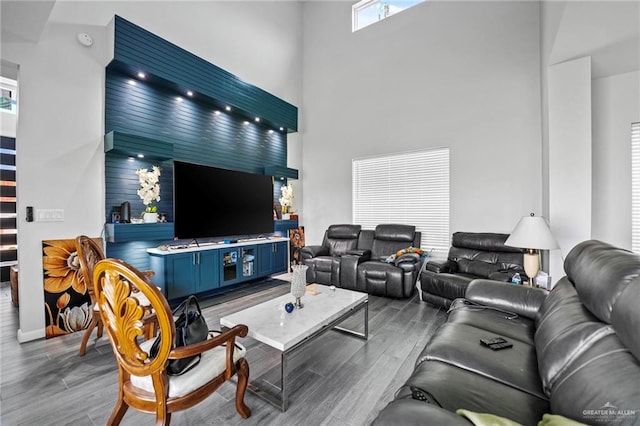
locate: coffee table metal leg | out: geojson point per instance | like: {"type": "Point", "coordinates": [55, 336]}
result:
{"type": "Point", "coordinates": [283, 386]}
{"type": "Point", "coordinates": [260, 387]}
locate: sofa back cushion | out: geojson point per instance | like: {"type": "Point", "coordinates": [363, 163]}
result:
{"type": "Point", "coordinates": [389, 238]}
{"type": "Point", "coordinates": [341, 238]}
{"type": "Point", "coordinates": [565, 329]}
{"type": "Point", "coordinates": [469, 249]}
{"type": "Point", "coordinates": [600, 272]}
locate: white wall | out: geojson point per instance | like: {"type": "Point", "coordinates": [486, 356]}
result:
{"type": "Point", "coordinates": [569, 158]}
{"type": "Point", "coordinates": [60, 158]}
{"type": "Point", "coordinates": [615, 105]}
{"type": "Point", "coordinates": [457, 74]}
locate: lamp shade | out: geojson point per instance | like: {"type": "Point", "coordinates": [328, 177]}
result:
{"type": "Point", "coordinates": [532, 232]}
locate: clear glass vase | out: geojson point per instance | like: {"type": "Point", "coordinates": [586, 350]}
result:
{"type": "Point", "coordinates": [299, 283]}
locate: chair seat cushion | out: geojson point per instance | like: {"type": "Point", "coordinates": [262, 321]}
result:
{"type": "Point", "coordinates": [212, 364]}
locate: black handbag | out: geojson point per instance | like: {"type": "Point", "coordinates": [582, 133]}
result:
{"type": "Point", "coordinates": [191, 327]}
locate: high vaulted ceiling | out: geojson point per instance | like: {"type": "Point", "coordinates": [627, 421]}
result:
{"type": "Point", "coordinates": [608, 31]}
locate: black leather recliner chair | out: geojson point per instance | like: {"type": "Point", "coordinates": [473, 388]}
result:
{"type": "Point", "coordinates": [324, 260]}
{"type": "Point", "coordinates": [390, 279]}
{"type": "Point", "coordinates": [472, 255]}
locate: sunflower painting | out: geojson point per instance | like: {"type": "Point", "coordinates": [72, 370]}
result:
{"type": "Point", "coordinates": [66, 299]}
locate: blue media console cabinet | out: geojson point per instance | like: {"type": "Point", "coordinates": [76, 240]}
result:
{"type": "Point", "coordinates": [212, 266]}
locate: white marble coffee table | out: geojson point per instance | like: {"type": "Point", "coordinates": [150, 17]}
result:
{"type": "Point", "coordinates": [270, 324]}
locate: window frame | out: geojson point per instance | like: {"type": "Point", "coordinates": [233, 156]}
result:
{"type": "Point", "coordinates": [425, 172]}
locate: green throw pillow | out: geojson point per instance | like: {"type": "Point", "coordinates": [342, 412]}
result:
{"type": "Point", "coordinates": [485, 419]}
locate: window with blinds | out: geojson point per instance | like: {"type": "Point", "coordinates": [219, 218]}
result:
{"type": "Point", "coordinates": [635, 187]}
{"type": "Point", "coordinates": [408, 188]}
{"type": "Point", "coordinates": [8, 232]}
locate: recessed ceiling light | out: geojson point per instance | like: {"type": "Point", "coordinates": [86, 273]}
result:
{"type": "Point", "coordinates": [228, 108]}
{"type": "Point", "coordinates": [142, 75]}
{"type": "Point", "coordinates": [216, 112]}
{"type": "Point", "coordinates": [246, 123]}
{"type": "Point", "coordinates": [270, 131]}
{"type": "Point", "coordinates": [257, 119]}
{"type": "Point", "coordinates": [131, 158]}
{"type": "Point", "coordinates": [189, 93]}
{"type": "Point", "coordinates": [140, 155]}
{"type": "Point", "coordinates": [282, 129]}
{"type": "Point", "coordinates": [179, 99]}
{"type": "Point", "coordinates": [132, 82]}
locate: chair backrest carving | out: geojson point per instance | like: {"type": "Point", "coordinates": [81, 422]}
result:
{"type": "Point", "coordinates": [122, 315]}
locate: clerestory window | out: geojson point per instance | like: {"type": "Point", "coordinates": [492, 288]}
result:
{"type": "Point", "coordinates": [367, 12]}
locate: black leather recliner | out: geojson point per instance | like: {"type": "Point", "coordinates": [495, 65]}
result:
{"type": "Point", "coordinates": [472, 255]}
{"type": "Point", "coordinates": [396, 278]}
{"type": "Point", "coordinates": [357, 259]}
{"type": "Point", "coordinates": [324, 260]}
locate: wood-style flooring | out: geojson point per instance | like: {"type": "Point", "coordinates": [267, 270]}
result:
{"type": "Point", "coordinates": [335, 380]}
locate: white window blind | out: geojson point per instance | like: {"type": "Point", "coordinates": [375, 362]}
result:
{"type": "Point", "coordinates": [407, 188]}
{"type": "Point", "coordinates": [635, 187]}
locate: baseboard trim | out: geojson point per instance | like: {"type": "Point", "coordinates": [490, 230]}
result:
{"type": "Point", "coordinates": [30, 335]}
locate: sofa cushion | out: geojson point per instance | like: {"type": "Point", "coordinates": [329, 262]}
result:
{"type": "Point", "coordinates": [592, 263]}
{"type": "Point", "coordinates": [601, 386]}
{"type": "Point", "coordinates": [477, 267]}
{"type": "Point", "coordinates": [459, 345]}
{"type": "Point", "coordinates": [496, 322]}
{"type": "Point", "coordinates": [343, 232]}
{"type": "Point", "coordinates": [564, 332]}
{"type": "Point", "coordinates": [381, 278]}
{"type": "Point", "coordinates": [485, 241]}
{"type": "Point", "coordinates": [452, 388]}
{"type": "Point", "coordinates": [625, 317]}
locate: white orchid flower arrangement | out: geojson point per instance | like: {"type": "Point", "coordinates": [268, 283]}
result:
{"type": "Point", "coordinates": [287, 196]}
{"type": "Point", "coordinates": [149, 190]}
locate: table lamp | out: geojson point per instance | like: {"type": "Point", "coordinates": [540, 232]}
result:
{"type": "Point", "coordinates": [533, 234]}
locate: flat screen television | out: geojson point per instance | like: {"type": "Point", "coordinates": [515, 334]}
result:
{"type": "Point", "coordinates": [213, 202]}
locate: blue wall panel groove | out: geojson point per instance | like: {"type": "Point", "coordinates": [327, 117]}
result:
{"type": "Point", "coordinates": [141, 50]}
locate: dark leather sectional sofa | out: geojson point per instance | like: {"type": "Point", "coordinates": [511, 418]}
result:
{"type": "Point", "coordinates": [472, 255]}
{"type": "Point", "coordinates": [576, 352]}
{"type": "Point", "coordinates": [357, 259]}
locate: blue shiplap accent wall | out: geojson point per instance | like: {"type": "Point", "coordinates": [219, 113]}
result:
{"type": "Point", "coordinates": [197, 133]}
{"type": "Point", "coordinates": [137, 47]}
{"type": "Point", "coordinates": [197, 128]}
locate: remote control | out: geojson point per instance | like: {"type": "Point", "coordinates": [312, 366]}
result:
{"type": "Point", "coordinates": [492, 341]}
{"type": "Point", "coordinates": [498, 346]}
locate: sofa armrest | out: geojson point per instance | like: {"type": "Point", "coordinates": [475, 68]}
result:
{"type": "Point", "coordinates": [412, 258]}
{"type": "Point", "coordinates": [309, 252]}
{"type": "Point", "coordinates": [522, 300]}
{"type": "Point", "coordinates": [363, 255]}
{"type": "Point", "coordinates": [413, 412]}
{"type": "Point", "coordinates": [440, 266]}
{"type": "Point", "coordinates": [349, 268]}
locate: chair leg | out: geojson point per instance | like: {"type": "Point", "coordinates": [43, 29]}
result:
{"type": "Point", "coordinates": [87, 334]}
{"type": "Point", "coordinates": [100, 327]}
{"type": "Point", "coordinates": [242, 368]}
{"type": "Point", "coordinates": [118, 412]}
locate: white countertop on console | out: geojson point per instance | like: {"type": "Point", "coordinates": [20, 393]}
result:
{"type": "Point", "coordinates": [220, 245]}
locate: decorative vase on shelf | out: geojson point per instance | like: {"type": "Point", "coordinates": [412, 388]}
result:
{"type": "Point", "coordinates": [299, 283]}
{"type": "Point", "coordinates": [150, 217]}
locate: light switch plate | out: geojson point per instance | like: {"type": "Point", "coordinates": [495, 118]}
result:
{"type": "Point", "coordinates": [49, 215]}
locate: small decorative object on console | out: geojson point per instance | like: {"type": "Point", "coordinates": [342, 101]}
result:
{"type": "Point", "coordinates": [299, 283]}
{"type": "Point", "coordinates": [288, 307]}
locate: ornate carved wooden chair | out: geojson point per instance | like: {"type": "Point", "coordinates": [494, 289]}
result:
{"type": "Point", "coordinates": [144, 383]}
{"type": "Point", "coordinates": [90, 253]}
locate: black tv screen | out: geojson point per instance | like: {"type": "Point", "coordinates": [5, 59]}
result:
{"type": "Point", "coordinates": [213, 202]}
